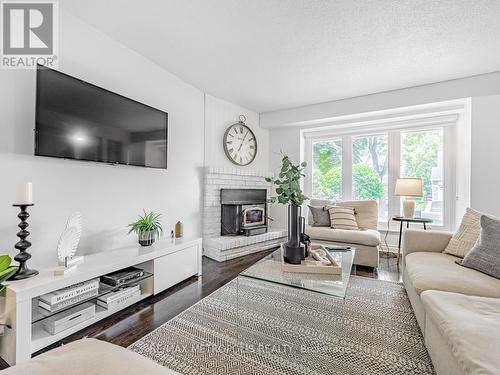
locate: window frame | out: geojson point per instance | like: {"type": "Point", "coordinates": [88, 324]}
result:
{"type": "Point", "coordinates": [394, 165]}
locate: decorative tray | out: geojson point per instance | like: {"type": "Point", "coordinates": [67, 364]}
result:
{"type": "Point", "coordinates": [311, 265]}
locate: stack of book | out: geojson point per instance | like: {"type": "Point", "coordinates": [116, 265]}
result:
{"type": "Point", "coordinates": [119, 297]}
{"type": "Point", "coordinates": [71, 295]}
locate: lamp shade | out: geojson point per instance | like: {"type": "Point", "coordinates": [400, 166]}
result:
{"type": "Point", "coordinates": [409, 187]}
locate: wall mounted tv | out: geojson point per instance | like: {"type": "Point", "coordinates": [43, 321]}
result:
{"type": "Point", "coordinates": [78, 120]}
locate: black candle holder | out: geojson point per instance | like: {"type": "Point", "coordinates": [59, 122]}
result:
{"type": "Point", "coordinates": [23, 272]}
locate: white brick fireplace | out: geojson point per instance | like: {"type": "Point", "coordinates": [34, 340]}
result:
{"type": "Point", "coordinates": [223, 248]}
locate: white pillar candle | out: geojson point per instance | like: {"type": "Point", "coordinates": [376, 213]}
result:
{"type": "Point", "coordinates": [24, 193]}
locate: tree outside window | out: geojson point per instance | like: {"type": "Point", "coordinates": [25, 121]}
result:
{"type": "Point", "coordinates": [422, 156]}
{"type": "Point", "coordinates": [370, 170]}
{"type": "Point", "coordinates": [327, 170]}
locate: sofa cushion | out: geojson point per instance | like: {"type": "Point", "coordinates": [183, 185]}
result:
{"type": "Point", "coordinates": [320, 216]}
{"type": "Point", "coordinates": [438, 271]}
{"type": "Point", "coordinates": [466, 236]}
{"type": "Point", "coordinates": [470, 325]}
{"type": "Point", "coordinates": [366, 213]}
{"type": "Point", "coordinates": [317, 203]}
{"type": "Point", "coordinates": [366, 237]}
{"type": "Point", "coordinates": [89, 356]}
{"type": "Point", "coordinates": [485, 256]}
{"type": "Point", "coordinates": [343, 218]}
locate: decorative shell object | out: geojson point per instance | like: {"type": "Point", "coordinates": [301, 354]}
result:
{"type": "Point", "coordinates": [75, 220]}
{"type": "Point", "coordinates": [68, 242]}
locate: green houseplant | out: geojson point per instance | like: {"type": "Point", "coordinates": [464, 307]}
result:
{"type": "Point", "coordinates": [6, 271]}
{"type": "Point", "coordinates": [289, 193]}
{"type": "Point", "coordinates": [148, 228]}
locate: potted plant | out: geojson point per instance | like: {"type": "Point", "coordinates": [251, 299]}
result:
{"type": "Point", "coordinates": [6, 271]}
{"type": "Point", "coordinates": [148, 228]}
{"type": "Point", "coordinates": [289, 193]}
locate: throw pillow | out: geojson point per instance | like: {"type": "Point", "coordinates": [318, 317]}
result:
{"type": "Point", "coordinates": [321, 217]}
{"type": "Point", "coordinates": [343, 218]}
{"type": "Point", "coordinates": [485, 256]}
{"type": "Point", "coordinates": [467, 234]}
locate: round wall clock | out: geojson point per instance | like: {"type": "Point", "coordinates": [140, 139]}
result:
{"type": "Point", "coordinates": [240, 144]}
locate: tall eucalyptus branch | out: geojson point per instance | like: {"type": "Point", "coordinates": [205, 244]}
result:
{"type": "Point", "coordinates": [288, 183]}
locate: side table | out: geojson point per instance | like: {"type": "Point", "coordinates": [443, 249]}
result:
{"type": "Point", "coordinates": [406, 220]}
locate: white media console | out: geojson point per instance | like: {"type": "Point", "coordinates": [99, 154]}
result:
{"type": "Point", "coordinates": [170, 262]}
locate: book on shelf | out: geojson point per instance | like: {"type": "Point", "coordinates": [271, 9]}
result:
{"type": "Point", "coordinates": [122, 276]}
{"type": "Point", "coordinates": [70, 292]}
{"type": "Point", "coordinates": [112, 296]}
{"type": "Point", "coordinates": [68, 302]}
{"type": "Point", "coordinates": [120, 300]}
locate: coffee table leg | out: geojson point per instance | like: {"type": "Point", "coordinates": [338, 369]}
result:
{"type": "Point", "coordinates": [425, 227]}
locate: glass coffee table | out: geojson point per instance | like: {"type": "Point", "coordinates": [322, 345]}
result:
{"type": "Point", "coordinates": [269, 269]}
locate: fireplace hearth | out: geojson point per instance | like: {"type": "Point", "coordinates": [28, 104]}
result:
{"type": "Point", "coordinates": [243, 212]}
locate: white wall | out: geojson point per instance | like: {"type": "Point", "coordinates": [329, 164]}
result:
{"type": "Point", "coordinates": [219, 115]}
{"type": "Point", "coordinates": [108, 196]}
{"type": "Point", "coordinates": [486, 154]}
{"type": "Point", "coordinates": [284, 126]}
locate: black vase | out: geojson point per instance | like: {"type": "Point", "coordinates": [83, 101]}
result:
{"type": "Point", "coordinates": [304, 238]}
{"type": "Point", "coordinates": [293, 249]}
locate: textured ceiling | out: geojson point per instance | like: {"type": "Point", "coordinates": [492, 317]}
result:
{"type": "Point", "coordinates": [274, 54]}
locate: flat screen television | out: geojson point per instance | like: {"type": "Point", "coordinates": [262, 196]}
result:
{"type": "Point", "coordinates": [78, 120]}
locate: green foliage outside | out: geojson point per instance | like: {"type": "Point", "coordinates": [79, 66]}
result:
{"type": "Point", "coordinates": [367, 182]}
{"type": "Point", "coordinates": [327, 176]}
{"type": "Point", "coordinates": [420, 153]}
{"type": "Point", "coordinates": [331, 182]}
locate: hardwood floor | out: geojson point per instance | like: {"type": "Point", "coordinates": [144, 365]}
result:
{"type": "Point", "coordinates": [129, 325]}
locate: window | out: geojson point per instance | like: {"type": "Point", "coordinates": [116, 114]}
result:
{"type": "Point", "coordinates": [327, 170]}
{"type": "Point", "coordinates": [370, 171]}
{"type": "Point", "coordinates": [366, 166]}
{"type": "Point", "coordinates": [422, 156]}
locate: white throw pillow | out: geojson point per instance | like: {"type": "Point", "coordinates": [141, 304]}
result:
{"type": "Point", "coordinates": [467, 234]}
{"type": "Point", "coordinates": [343, 218]}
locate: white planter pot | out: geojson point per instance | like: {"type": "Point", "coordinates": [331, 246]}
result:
{"type": "Point", "coordinates": [146, 238]}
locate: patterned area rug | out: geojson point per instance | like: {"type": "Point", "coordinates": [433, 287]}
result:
{"type": "Point", "coordinates": [255, 327]}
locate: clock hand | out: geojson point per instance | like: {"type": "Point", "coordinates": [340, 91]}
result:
{"type": "Point", "coordinates": [243, 141]}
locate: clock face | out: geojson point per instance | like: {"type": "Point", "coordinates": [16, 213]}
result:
{"type": "Point", "coordinates": [240, 144]}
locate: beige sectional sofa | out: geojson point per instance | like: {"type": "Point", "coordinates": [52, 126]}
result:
{"type": "Point", "coordinates": [457, 308]}
{"type": "Point", "coordinates": [366, 241]}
